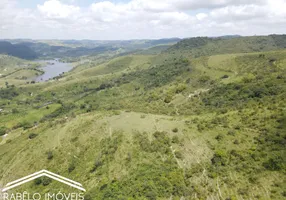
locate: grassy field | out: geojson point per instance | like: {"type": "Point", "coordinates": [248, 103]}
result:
{"type": "Point", "coordinates": [15, 71]}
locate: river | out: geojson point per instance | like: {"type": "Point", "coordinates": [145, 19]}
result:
{"type": "Point", "coordinates": [52, 68]}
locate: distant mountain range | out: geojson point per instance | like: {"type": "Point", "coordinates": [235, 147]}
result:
{"type": "Point", "coordinates": [31, 49]}
{"type": "Point", "coordinates": [198, 46]}
{"type": "Point", "coordinates": [17, 50]}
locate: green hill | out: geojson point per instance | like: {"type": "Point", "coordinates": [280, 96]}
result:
{"type": "Point", "coordinates": [16, 71]}
{"type": "Point", "coordinates": [203, 120]}
{"type": "Point", "coordinates": [203, 46]}
{"type": "Point", "coordinates": [17, 50]}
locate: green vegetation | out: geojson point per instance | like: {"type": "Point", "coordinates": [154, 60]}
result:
{"type": "Point", "coordinates": [203, 46]}
{"type": "Point", "coordinates": [32, 135]}
{"type": "Point", "coordinates": [15, 71]}
{"type": "Point", "coordinates": [3, 130]}
{"type": "Point", "coordinates": [17, 50]}
{"type": "Point", "coordinates": [204, 119]}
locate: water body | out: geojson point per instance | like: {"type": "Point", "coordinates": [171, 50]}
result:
{"type": "Point", "coordinates": [52, 69]}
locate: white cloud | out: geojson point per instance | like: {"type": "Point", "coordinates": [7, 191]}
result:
{"type": "Point", "coordinates": [142, 19]}
{"type": "Point", "coordinates": [210, 4]}
{"type": "Point", "coordinates": [201, 16]}
{"type": "Point", "coordinates": [242, 12]}
{"type": "Point", "coordinates": [56, 9]}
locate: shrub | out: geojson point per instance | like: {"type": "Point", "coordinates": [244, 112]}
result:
{"type": "Point", "coordinates": [87, 197]}
{"type": "Point", "coordinates": [38, 181]}
{"type": "Point", "coordinates": [50, 155]}
{"type": "Point", "coordinates": [161, 143]}
{"type": "Point", "coordinates": [3, 130]}
{"type": "Point", "coordinates": [32, 135]}
{"type": "Point", "coordinates": [200, 127]}
{"type": "Point", "coordinates": [219, 137]}
{"type": "Point", "coordinates": [98, 162]}
{"type": "Point", "coordinates": [151, 195]}
{"type": "Point", "coordinates": [26, 125]}
{"type": "Point", "coordinates": [8, 93]}
{"type": "Point", "coordinates": [175, 139]}
{"type": "Point", "coordinates": [82, 106]}
{"type": "Point", "coordinates": [71, 167]}
{"type": "Point", "coordinates": [178, 155]}
{"type": "Point", "coordinates": [204, 79]}
{"type": "Point", "coordinates": [219, 158]}
{"type": "Point", "coordinates": [280, 77]}
{"type": "Point", "coordinates": [175, 130]}
{"type": "Point", "coordinates": [223, 111]}
{"type": "Point", "coordinates": [168, 99]}
{"type": "Point", "coordinates": [236, 142]}
{"type": "Point", "coordinates": [104, 86]}
{"type": "Point", "coordinates": [74, 139]}
{"type": "Point", "coordinates": [231, 132]}
{"type": "Point", "coordinates": [46, 181]}
{"type": "Point", "coordinates": [14, 111]}
{"type": "Point", "coordinates": [274, 164]}
{"type": "Point", "coordinates": [180, 88]}
{"type": "Point", "coordinates": [143, 141]}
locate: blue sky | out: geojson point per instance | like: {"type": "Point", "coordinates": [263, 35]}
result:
{"type": "Point", "coordinates": [139, 19]}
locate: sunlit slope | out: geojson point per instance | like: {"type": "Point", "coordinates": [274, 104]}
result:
{"type": "Point", "coordinates": [16, 71]}
{"type": "Point", "coordinates": [95, 149]}
{"type": "Point", "coordinates": [108, 152]}
{"type": "Point", "coordinates": [125, 63]}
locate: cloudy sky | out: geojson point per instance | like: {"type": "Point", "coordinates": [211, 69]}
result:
{"type": "Point", "coordinates": [139, 19]}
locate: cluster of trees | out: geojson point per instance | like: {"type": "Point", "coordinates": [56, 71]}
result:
{"type": "Point", "coordinates": [149, 180]}
{"type": "Point", "coordinates": [108, 148]}
{"type": "Point", "coordinates": [158, 75]}
{"type": "Point", "coordinates": [8, 93]}
{"type": "Point", "coordinates": [64, 109]}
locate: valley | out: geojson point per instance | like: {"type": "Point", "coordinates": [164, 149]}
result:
{"type": "Point", "coordinates": [198, 118]}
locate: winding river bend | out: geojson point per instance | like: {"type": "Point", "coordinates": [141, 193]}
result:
{"type": "Point", "coordinates": [52, 68]}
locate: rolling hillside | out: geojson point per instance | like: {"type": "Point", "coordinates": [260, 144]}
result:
{"type": "Point", "coordinates": [29, 49]}
{"type": "Point", "coordinates": [203, 46]}
{"type": "Point", "coordinates": [204, 119]}
{"type": "Point", "coordinates": [17, 50]}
